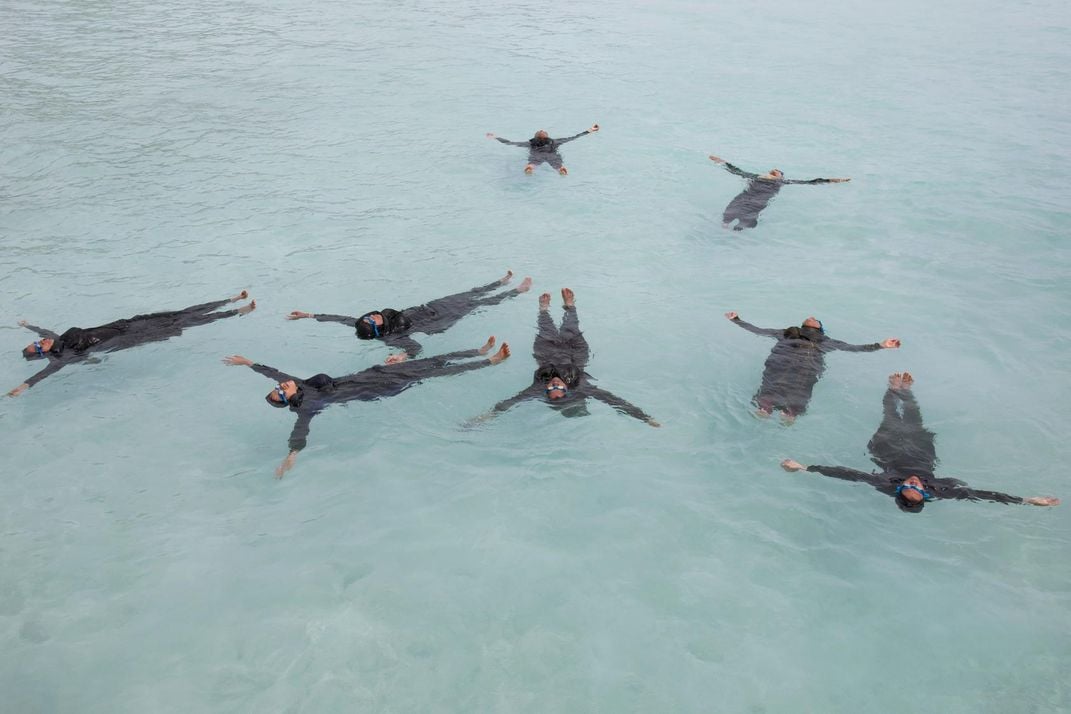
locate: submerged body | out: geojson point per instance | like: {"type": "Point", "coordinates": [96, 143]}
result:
{"type": "Point", "coordinates": [904, 451]}
{"type": "Point", "coordinates": [796, 363]}
{"type": "Point", "coordinates": [560, 378]}
{"type": "Point", "coordinates": [746, 207]}
{"type": "Point", "coordinates": [79, 343]}
{"type": "Point", "coordinates": [395, 327]}
{"type": "Point", "coordinates": [308, 397]}
{"type": "Point", "coordinates": [542, 148]}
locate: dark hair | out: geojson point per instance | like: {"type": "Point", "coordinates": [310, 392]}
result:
{"type": "Point", "coordinates": [907, 506]}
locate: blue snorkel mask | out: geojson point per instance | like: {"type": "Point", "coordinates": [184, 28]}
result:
{"type": "Point", "coordinates": [37, 348]}
{"type": "Point", "coordinates": [367, 334]}
{"type": "Point", "coordinates": [926, 495]}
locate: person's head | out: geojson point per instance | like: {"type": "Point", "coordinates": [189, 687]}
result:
{"type": "Point", "coordinates": [38, 348]}
{"type": "Point", "coordinates": [556, 388]}
{"type": "Point", "coordinates": [814, 323]}
{"type": "Point", "coordinates": [777, 174]}
{"type": "Point", "coordinates": [911, 495]}
{"type": "Point", "coordinates": [368, 327]}
{"type": "Point", "coordinates": [285, 394]}
{"type": "Point", "coordinates": [541, 134]}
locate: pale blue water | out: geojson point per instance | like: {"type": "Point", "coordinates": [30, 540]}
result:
{"type": "Point", "coordinates": [330, 157]}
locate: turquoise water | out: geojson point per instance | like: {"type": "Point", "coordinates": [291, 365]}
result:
{"type": "Point", "coordinates": [331, 157]}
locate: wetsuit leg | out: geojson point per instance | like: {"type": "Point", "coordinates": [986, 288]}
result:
{"type": "Point", "coordinates": [443, 313]}
{"type": "Point", "coordinates": [195, 320]}
{"type": "Point", "coordinates": [443, 360]}
{"type": "Point", "coordinates": [746, 222]}
{"type": "Point", "coordinates": [178, 314]}
{"type": "Point", "coordinates": [901, 444]}
{"type": "Point", "coordinates": [555, 160]}
{"type": "Point", "coordinates": [573, 337]}
{"type": "Point", "coordinates": [435, 368]}
{"type": "Point", "coordinates": [547, 340]}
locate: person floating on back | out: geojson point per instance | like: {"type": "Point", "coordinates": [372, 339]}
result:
{"type": "Point", "coordinates": [796, 363]}
{"type": "Point", "coordinates": [78, 343]}
{"type": "Point", "coordinates": [308, 397]}
{"type": "Point", "coordinates": [394, 326]}
{"type": "Point", "coordinates": [542, 148]}
{"type": "Point", "coordinates": [904, 451]}
{"type": "Point", "coordinates": [746, 207]}
{"type": "Point", "coordinates": [560, 378]}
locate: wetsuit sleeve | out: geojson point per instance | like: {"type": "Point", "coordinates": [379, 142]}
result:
{"type": "Point", "coordinates": [500, 140]}
{"type": "Point", "coordinates": [739, 172]}
{"type": "Point", "coordinates": [830, 345]}
{"type": "Point", "coordinates": [617, 403]}
{"type": "Point", "coordinates": [300, 433]}
{"type": "Point", "coordinates": [403, 342]}
{"type": "Point", "coordinates": [847, 474]}
{"type": "Point", "coordinates": [530, 393]}
{"type": "Point", "coordinates": [765, 331]}
{"type": "Point", "coordinates": [42, 332]}
{"type": "Point", "coordinates": [344, 319]}
{"type": "Point", "coordinates": [53, 367]}
{"type": "Point", "coordinates": [963, 493]}
{"type": "Point", "coordinates": [559, 142]}
{"type": "Point", "coordinates": [271, 372]}
{"type": "Point", "coordinates": [811, 181]}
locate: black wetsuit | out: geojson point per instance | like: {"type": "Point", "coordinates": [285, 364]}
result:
{"type": "Point", "coordinates": [749, 204]}
{"type": "Point", "coordinates": [78, 343]}
{"type": "Point", "coordinates": [430, 318]}
{"type": "Point", "coordinates": [540, 150]}
{"type": "Point", "coordinates": [902, 447]}
{"type": "Point", "coordinates": [564, 354]}
{"type": "Point", "coordinates": [378, 382]}
{"type": "Point", "coordinates": [795, 365]}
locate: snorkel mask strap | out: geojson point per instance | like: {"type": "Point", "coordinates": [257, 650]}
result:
{"type": "Point", "coordinates": [372, 321]}
{"type": "Point", "coordinates": [282, 395]}
{"type": "Point", "coordinates": [926, 495]}
{"type": "Point", "coordinates": [38, 349]}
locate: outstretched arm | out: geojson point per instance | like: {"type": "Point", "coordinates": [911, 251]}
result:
{"type": "Point", "coordinates": [890, 344]}
{"type": "Point", "coordinates": [269, 372]}
{"type": "Point", "coordinates": [732, 169]}
{"type": "Point", "coordinates": [765, 331]}
{"type": "Point", "coordinates": [527, 393]}
{"type": "Point", "coordinates": [620, 405]}
{"type": "Point", "coordinates": [840, 472]}
{"type": "Point", "coordinates": [506, 141]}
{"type": "Point", "coordinates": [53, 367]}
{"type": "Point", "coordinates": [403, 342]}
{"type": "Point", "coordinates": [963, 493]}
{"type": "Point", "coordinates": [41, 332]}
{"type": "Point", "coordinates": [594, 128]}
{"type": "Point", "coordinates": [817, 180]}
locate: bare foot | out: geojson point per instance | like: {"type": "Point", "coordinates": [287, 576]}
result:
{"type": "Point", "coordinates": [246, 309]}
{"type": "Point", "coordinates": [503, 353]}
{"type": "Point", "coordinates": [563, 171]}
{"type": "Point", "coordinates": [788, 419]}
{"type": "Point", "coordinates": [488, 346]}
{"type": "Point", "coordinates": [908, 380]}
{"type": "Point", "coordinates": [529, 169]}
{"type": "Point", "coordinates": [506, 278]}
{"type": "Point", "coordinates": [763, 413]}
{"type": "Point", "coordinates": [396, 358]}
{"type": "Point", "coordinates": [544, 302]}
{"type": "Point", "coordinates": [240, 296]}
{"type": "Point", "coordinates": [568, 297]}
{"type": "Point", "coordinates": [525, 285]}
{"type": "Point", "coordinates": [896, 381]}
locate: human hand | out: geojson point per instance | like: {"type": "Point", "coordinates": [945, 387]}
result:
{"type": "Point", "coordinates": [237, 361]}
{"type": "Point", "coordinates": [891, 344]}
{"type": "Point", "coordinates": [397, 359]}
{"type": "Point", "coordinates": [298, 315]}
{"type": "Point", "coordinates": [652, 422]}
{"type": "Point", "coordinates": [731, 315]}
{"type": "Point", "coordinates": [288, 463]}
{"type": "Point", "coordinates": [1042, 501]}
{"type": "Point", "coordinates": [716, 159]}
{"type": "Point", "coordinates": [18, 390]}
{"type": "Point", "coordinates": [23, 323]}
{"type": "Point", "coordinates": [594, 128]}
{"type": "Point", "coordinates": [790, 465]}
{"type": "Point", "coordinates": [490, 135]}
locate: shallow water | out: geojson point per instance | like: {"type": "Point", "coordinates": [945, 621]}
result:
{"type": "Point", "coordinates": [331, 158]}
